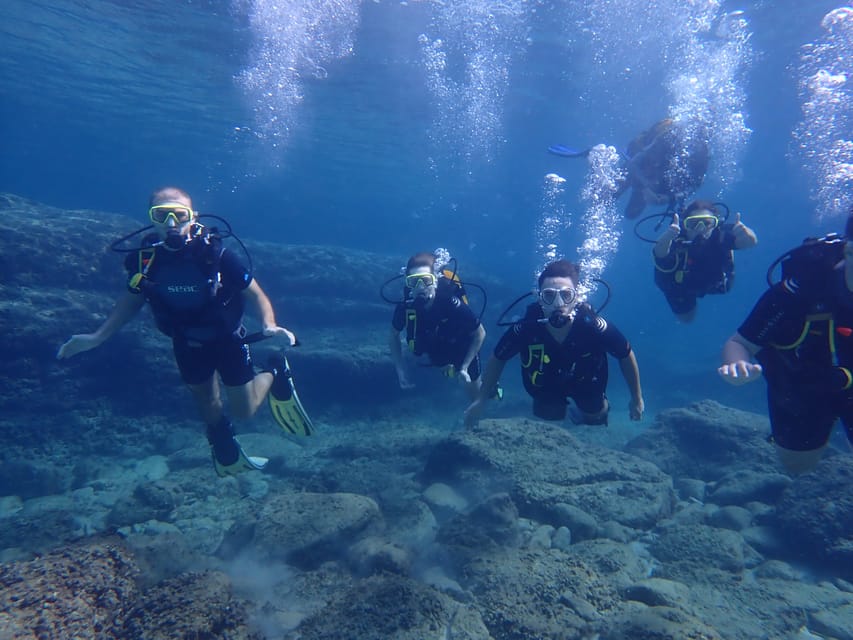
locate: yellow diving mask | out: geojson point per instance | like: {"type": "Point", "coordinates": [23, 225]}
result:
{"type": "Point", "coordinates": [416, 280]}
{"type": "Point", "coordinates": [708, 220]}
{"type": "Point", "coordinates": [181, 213]}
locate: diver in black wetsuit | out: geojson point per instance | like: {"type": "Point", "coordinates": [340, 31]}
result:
{"type": "Point", "coordinates": [800, 333]}
{"type": "Point", "coordinates": [664, 165]}
{"type": "Point", "coordinates": [694, 257]}
{"type": "Point", "coordinates": [563, 346]}
{"type": "Point", "coordinates": [197, 290]}
{"type": "Point", "coordinates": [438, 323]}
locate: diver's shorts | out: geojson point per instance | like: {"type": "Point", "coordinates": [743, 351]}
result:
{"type": "Point", "coordinates": [680, 303]}
{"type": "Point", "coordinates": [198, 362]}
{"type": "Point", "coordinates": [803, 422]}
{"type": "Point", "coordinates": [549, 406]}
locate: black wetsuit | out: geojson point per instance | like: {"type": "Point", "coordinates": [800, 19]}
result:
{"type": "Point", "coordinates": [196, 297]}
{"type": "Point", "coordinates": [806, 337]}
{"type": "Point", "coordinates": [444, 332]}
{"type": "Point", "coordinates": [666, 161]}
{"type": "Point", "coordinates": [576, 368]}
{"type": "Point", "coordinates": [694, 269]}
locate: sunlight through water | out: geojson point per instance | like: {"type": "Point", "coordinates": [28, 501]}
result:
{"type": "Point", "coordinates": [468, 51]}
{"type": "Point", "coordinates": [292, 40]}
{"type": "Point", "coordinates": [824, 138]}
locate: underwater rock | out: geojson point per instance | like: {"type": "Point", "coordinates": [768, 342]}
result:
{"type": "Point", "coordinates": [491, 524]}
{"type": "Point", "coordinates": [814, 516]}
{"type": "Point", "coordinates": [548, 594]}
{"type": "Point", "coordinates": [834, 623]}
{"type": "Point", "coordinates": [705, 441]}
{"type": "Point", "coordinates": [77, 592]}
{"type": "Point", "coordinates": [687, 552]}
{"type": "Point", "coordinates": [746, 485]}
{"type": "Point", "coordinates": [192, 605]}
{"type": "Point", "coordinates": [541, 466]}
{"type": "Point", "coordinates": [388, 606]}
{"type": "Point", "coordinates": [149, 501]}
{"type": "Point", "coordinates": [375, 555]}
{"type": "Point", "coordinates": [31, 478]}
{"type": "Point", "coordinates": [658, 592]}
{"type": "Point", "coordinates": [731, 517]}
{"type": "Point", "coordinates": [306, 529]}
{"type": "Point", "coordinates": [660, 623]}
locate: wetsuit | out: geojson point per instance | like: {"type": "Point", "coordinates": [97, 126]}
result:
{"type": "Point", "coordinates": [665, 161]}
{"type": "Point", "coordinates": [806, 354]}
{"type": "Point", "coordinates": [195, 294]}
{"type": "Point", "coordinates": [694, 269]}
{"type": "Point", "coordinates": [443, 332]}
{"type": "Point", "coordinates": [576, 368]}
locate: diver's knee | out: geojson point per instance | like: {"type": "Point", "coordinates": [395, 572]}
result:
{"type": "Point", "coordinates": [799, 462]}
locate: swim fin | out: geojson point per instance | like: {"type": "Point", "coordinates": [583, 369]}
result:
{"type": "Point", "coordinates": [284, 403]}
{"type": "Point", "coordinates": [244, 463]}
{"type": "Point", "coordinates": [224, 446]}
{"type": "Point", "coordinates": [567, 152]}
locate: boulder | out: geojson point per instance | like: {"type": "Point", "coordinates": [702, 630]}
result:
{"type": "Point", "coordinates": [545, 471]}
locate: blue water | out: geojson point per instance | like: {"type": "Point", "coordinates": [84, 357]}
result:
{"type": "Point", "coordinates": [398, 126]}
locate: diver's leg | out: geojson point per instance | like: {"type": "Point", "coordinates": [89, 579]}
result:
{"type": "Point", "coordinates": [801, 427]}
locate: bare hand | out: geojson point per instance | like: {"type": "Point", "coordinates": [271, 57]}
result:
{"type": "Point", "coordinates": [674, 226]}
{"type": "Point", "coordinates": [738, 227]}
{"type": "Point", "coordinates": [636, 408]}
{"type": "Point", "coordinates": [77, 344]}
{"type": "Point", "coordinates": [280, 331]}
{"type": "Point", "coordinates": [740, 372]}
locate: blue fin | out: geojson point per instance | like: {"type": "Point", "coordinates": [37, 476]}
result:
{"type": "Point", "coordinates": [567, 152]}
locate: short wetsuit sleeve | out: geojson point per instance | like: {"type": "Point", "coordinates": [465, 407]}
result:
{"type": "Point", "coordinates": [613, 340]}
{"type": "Point", "coordinates": [511, 342]}
{"type": "Point", "coordinates": [398, 321]}
{"type": "Point", "coordinates": [667, 263]}
{"type": "Point", "coordinates": [464, 317]}
{"type": "Point", "coordinates": [776, 318]}
{"type": "Point", "coordinates": [234, 273]}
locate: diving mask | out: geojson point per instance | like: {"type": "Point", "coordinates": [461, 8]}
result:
{"type": "Point", "coordinates": [180, 213]}
{"type": "Point", "coordinates": [420, 280]}
{"type": "Point", "coordinates": [706, 221]}
{"type": "Point", "coordinates": [549, 296]}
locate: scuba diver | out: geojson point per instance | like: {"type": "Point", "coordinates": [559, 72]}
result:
{"type": "Point", "coordinates": [197, 290]}
{"type": "Point", "coordinates": [663, 165]}
{"type": "Point", "coordinates": [799, 336]}
{"type": "Point", "coordinates": [694, 257]}
{"type": "Point", "coordinates": [438, 322]}
{"type": "Point", "coordinates": [563, 345]}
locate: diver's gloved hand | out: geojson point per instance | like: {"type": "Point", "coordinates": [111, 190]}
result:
{"type": "Point", "coordinates": [464, 376]}
{"type": "Point", "coordinates": [271, 331]}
